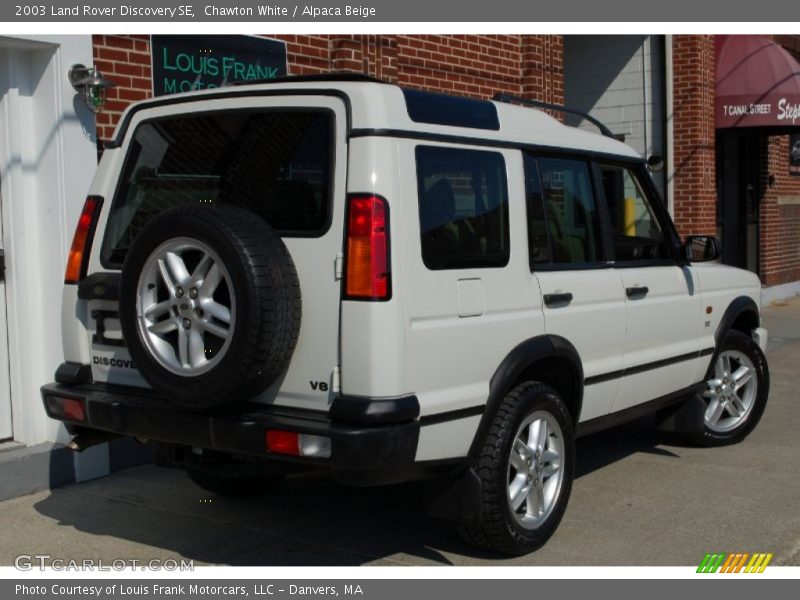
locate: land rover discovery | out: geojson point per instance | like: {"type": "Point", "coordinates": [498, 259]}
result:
{"type": "Point", "coordinates": [389, 284]}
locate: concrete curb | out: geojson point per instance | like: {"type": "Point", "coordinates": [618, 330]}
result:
{"type": "Point", "coordinates": [29, 469]}
{"type": "Point", "coordinates": [778, 293]}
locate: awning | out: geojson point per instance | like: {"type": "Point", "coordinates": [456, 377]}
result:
{"type": "Point", "coordinates": [757, 84]}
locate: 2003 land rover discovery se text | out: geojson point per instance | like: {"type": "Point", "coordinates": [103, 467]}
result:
{"type": "Point", "coordinates": [338, 273]}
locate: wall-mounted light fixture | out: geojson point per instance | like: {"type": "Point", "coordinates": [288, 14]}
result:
{"type": "Point", "coordinates": [90, 83]}
{"type": "Point", "coordinates": [655, 162]}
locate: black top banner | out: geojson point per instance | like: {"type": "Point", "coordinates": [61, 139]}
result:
{"type": "Point", "coordinates": [462, 11]}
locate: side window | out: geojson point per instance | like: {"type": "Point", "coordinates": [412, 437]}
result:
{"type": "Point", "coordinates": [563, 205]}
{"type": "Point", "coordinates": [636, 232]}
{"type": "Point", "coordinates": [463, 208]}
{"type": "Point", "coordinates": [538, 243]}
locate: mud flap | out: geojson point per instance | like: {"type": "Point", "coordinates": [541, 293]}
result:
{"type": "Point", "coordinates": [457, 498]}
{"type": "Point", "coordinates": [685, 418]}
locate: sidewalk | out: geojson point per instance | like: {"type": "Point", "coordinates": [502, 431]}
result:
{"type": "Point", "coordinates": [637, 500]}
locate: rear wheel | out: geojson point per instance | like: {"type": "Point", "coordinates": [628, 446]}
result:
{"type": "Point", "coordinates": [736, 391]}
{"type": "Point", "coordinates": [526, 466]}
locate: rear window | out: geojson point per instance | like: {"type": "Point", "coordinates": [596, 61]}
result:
{"type": "Point", "coordinates": [463, 208]}
{"type": "Point", "coordinates": [275, 163]}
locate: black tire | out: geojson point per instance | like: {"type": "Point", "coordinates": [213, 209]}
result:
{"type": "Point", "coordinates": [234, 487]}
{"type": "Point", "coordinates": [736, 341]}
{"type": "Point", "coordinates": [267, 303]}
{"type": "Point", "coordinates": [499, 530]}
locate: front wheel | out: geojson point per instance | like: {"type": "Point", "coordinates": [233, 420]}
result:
{"type": "Point", "coordinates": [526, 466]}
{"type": "Point", "coordinates": [736, 391]}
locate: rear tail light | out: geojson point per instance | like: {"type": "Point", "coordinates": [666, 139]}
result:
{"type": "Point", "coordinates": [283, 442]}
{"type": "Point", "coordinates": [292, 443]}
{"type": "Point", "coordinates": [66, 409]}
{"type": "Point", "coordinates": [367, 272]}
{"type": "Point", "coordinates": [78, 259]}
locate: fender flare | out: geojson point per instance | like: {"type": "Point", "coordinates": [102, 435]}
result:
{"type": "Point", "coordinates": [522, 356]}
{"type": "Point", "coordinates": [737, 307]}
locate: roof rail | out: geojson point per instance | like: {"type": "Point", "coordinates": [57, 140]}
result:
{"type": "Point", "coordinates": [335, 76]}
{"type": "Point", "coordinates": [511, 98]}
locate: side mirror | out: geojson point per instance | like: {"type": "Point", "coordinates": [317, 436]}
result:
{"type": "Point", "coordinates": [655, 162]}
{"type": "Point", "coordinates": [701, 248]}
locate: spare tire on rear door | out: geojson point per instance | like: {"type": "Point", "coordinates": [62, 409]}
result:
{"type": "Point", "coordinates": [209, 305]}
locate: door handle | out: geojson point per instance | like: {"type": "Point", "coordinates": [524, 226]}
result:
{"type": "Point", "coordinates": [2, 265]}
{"type": "Point", "coordinates": [637, 292]}
{"type": "Point", "coordinates": [559, 299]}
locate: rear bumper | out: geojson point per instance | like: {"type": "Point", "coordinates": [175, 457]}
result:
{"type": "Point", "coordinates": [374, 453]}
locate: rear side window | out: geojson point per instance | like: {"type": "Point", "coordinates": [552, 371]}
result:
{"type": "Point", "coordinates": [275, 163]}
{"type": "Point", "coordinates": [463, 208]}
{"type": "Point", "coordinates": [564, 227]}
{"type": "Point", "coordinates": [442, 109]}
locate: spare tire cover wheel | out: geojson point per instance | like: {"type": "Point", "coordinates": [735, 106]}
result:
{"type": "Point", "coordinates": [209, 304]}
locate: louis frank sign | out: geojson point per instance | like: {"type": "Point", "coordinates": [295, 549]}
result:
{"type": "Point", "coordinates": [182, 63]}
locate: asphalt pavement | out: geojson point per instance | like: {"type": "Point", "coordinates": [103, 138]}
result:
{"type": "Point", "coordinates": [640, 498]}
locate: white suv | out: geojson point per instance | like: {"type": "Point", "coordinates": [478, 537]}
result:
{"type": "Point", "coordinates": [389, 284]}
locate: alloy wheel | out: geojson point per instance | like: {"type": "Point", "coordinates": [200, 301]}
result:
{"type": "Point", "coordinates": [535, 474]}
{"type": "Point", "coordinates": [185, 306]}
{"type": "Point", "coordinates": [731, 392]}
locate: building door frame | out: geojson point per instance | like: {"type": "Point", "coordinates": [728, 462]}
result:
{"type": "Point", "coordinates": [739, 155]}
{"type": "Point", "coordinates": [48, 156]}
{"type": "Point", "coordinates": [6, 427]}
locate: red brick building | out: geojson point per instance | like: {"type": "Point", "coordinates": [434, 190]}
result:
{"type": "Point", "coordinates": [750, 200]}
{"type": "Point", "coordinates": [473, 65]}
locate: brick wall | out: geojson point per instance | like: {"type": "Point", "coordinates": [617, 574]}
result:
{"type": "Point", "coordinates": [468, 65]}
{"type": "Point", "coordinates": [780, 216]}
{"type": "Point", "coordinates": [307, 54]}
{"type": "Point", "coordinates": [471, 65]}
{"type": "Point", "coordinates": [126, 61]}
{"type": "Point", "coordinates": [531, 65]}
{"type": "Point", "coordinates": [543, 68]}
{"type": "Point", "coordinates": [694, 134]}
{"type": "Point", "coordinates": [780, 204]}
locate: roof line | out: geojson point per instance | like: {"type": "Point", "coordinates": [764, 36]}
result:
{"type": "Point", "coordinates": [334, 76]}
{"type": "Point", "coordinates": [510, 98]}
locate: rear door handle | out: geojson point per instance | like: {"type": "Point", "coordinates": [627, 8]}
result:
{"type": "Point", "coordinates": [562, 298]}
{"type": "Point", "coordinates": [637, 292]}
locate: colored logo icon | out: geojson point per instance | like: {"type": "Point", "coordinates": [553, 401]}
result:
{"type": "Point", "coordinates": [736, 562]}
